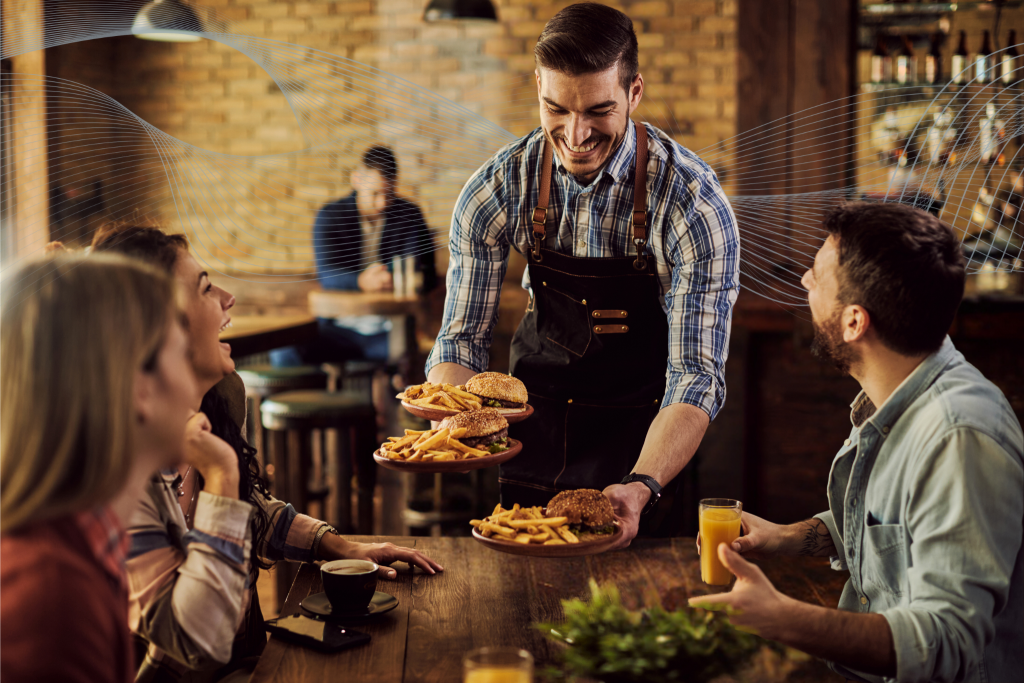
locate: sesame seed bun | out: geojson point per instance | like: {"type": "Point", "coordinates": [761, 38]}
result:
{"type": "Point", "coordinates": [478, 422]}
{"type": "Point", "coordinates": [497, 386]}
{"type": "Point", "coordinates": [582, 506]}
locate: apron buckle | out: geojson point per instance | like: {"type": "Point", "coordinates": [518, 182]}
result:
{"type": "Point", "coordinates": [641, 255]}
{"type": "Point", "coordinates": [537, 239]}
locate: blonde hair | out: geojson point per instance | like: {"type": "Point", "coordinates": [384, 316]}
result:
{"type": "Point", "coordinates": [74, 331]}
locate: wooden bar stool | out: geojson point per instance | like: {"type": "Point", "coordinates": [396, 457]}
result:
{"type": "Point", "coordinates": [262, 381]}
{"type": "Point", "coordinates": [290, 419]}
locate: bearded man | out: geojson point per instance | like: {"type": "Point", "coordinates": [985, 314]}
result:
{"type": "Point", "coordinates": [925, 496]}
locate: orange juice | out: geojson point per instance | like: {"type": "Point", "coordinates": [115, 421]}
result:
{"type": "Point", "coordinates": [498, 675]}
{"type": "Point", "coordinates": [717, 525]}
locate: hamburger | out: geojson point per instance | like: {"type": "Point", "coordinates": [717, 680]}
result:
{"type": "Point", "coordinates": [486, 429]}
{"type": "Point", "coordinates": [495, 390]}
{"type": "Point", "coordinates": [589, 512]}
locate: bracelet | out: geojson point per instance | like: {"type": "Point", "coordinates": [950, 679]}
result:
{"type": "Point", "coordinates": [325, 528]}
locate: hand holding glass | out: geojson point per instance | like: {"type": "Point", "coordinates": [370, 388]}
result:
{"type": "Point", "coordinates": [719, 523]}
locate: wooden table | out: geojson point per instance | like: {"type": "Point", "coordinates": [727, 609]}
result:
{"type": "Point", "coordinates": [251, 334]}
{"type": "Point", "coordinates": [339, 304]}
{"type": "Point", "coordinates": [489, 598]}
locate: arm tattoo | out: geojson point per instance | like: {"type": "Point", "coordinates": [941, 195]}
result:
{"type": "Point", "coordinates": [815, 539]}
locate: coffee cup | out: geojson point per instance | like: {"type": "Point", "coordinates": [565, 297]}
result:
{"type": "Point", "coordinates": [349, 584]}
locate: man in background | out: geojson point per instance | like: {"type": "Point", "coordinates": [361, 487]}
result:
{"type": "Point", "coordinates": [925, 496]}
{"type": "Point", "coordinates": [355, 240]}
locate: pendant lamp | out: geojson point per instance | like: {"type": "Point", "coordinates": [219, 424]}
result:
{"type": "Point", "coordinates": [167, 20]}
{"type": "Point", "coordinates": [442, 10]}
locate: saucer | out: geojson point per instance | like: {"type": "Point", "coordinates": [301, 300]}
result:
{"type": "Point", "coordinates": [319, 605]}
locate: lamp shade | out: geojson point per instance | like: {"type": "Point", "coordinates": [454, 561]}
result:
{"type": "Point", "coordinates": [167, 20]}
{"type": "Point", "coordinates": [441, 10]}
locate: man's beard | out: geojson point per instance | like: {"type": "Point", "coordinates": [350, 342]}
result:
{"type": "Point", "coordinates": [828, 345]}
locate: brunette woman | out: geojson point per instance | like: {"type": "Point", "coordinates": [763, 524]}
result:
{"type": "Point", "coordinates": [194, 592]}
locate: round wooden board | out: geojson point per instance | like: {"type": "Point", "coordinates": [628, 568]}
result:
{"type": "Point", "coordinates": [593, 547]}
{"type": "Point", "coordinates": [439, 414]}
{"type": "Point", "coordinates": [451, 465]}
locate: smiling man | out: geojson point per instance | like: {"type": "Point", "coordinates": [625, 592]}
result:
{"type": "Point", "coordinates": [925, 501]}
{"type": "Point", "coordinates": [633, 271]}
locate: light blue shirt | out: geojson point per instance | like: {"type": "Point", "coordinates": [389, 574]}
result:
{"type": "Point", "coordinates": [926, 505]}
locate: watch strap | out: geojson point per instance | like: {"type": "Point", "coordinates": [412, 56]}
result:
{"type": "Point", "coordinates": [651, 483]}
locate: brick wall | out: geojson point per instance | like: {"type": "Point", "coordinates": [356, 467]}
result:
{"type": "Point", "coordinates": [214, 97]}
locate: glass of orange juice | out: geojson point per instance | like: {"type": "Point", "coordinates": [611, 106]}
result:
{"type": "Point", "coordinates": [497, 665]}
{"type": "Point", "coordinates": [719, 523]}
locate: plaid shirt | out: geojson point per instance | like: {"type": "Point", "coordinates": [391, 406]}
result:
{"type": "Point", "coordinates": [692, 236]}
{"type": "Point", "coordinates": [108, 541]}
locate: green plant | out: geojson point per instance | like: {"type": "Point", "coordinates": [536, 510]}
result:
{"type": "Point", "coordinates": [609, 643]}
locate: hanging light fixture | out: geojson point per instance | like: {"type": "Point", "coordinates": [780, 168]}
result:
{"type": "Point", "coordinates": [167, 20]}
{"type": "Point", "coordinates": [441, 10]}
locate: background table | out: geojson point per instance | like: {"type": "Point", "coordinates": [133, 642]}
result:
{"type": "Point", "coordinates": [251, 334]}
{"type": "Point", "coordinates": [489, 598]}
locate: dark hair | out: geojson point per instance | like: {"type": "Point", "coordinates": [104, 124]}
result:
{"type": "Point", "coordinates": [904, 266]}
{"type": "Point", "coordinates": [587, 38]}
{"type": "Point", "coordinates": [155, 247]}
{"type": "Point", "coordinates": [382, 159]}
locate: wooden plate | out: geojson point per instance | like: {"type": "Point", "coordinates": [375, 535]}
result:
{"type": "Point", "coordinates": [439, 414]}
{"type": "Point", "coordinates": [592, 547]}
{"type": "Point", "coordinates": [451, 465]}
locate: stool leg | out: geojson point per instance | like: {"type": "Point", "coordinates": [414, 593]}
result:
{"type": "Point", "coordinates": [302, 460]}
{"type": "Point", "coordinates": [343, 482]}
{"type": "Point", "coordinates": [365, 438]}
{"type": "Point", "coordinates": [278, 453]}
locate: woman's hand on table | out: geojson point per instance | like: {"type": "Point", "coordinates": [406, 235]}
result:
{"type": "Point", "coordinates": [337, 548]}
{"type": "Point", "coordinates": [754, 604]}
{"type": "Point", "coordinates": [376, 278]}
{"type": "Point", "coordinates": [760, 540]}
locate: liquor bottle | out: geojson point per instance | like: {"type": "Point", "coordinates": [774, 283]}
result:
{"type": "Point", "coordinates": [983, 61]}
{"type": "Point", "coordinates": [906, 64]}
{"type": "Point", "coordinates": [958, 65]}
{"type": "Point", "coordinates": [942, 138]}
{"type": "Point", "coordinates": [933, 61]}
{"type": "Point", "coordinates": [1008, 71]}
{"type": "Point", "coordinates": [881, 62]}
{"type": "Point", "coordinates": [992, 134]}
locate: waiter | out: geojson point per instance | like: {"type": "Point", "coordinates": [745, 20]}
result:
{"type": "Point", "coordinates": [633, 271]}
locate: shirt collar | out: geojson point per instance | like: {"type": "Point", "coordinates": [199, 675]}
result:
{"type": "Point", "coordinates": [863, 412]}
{"type": "Point", "coordinates": [619, 165]}
{"type": "Point", "coordinates": [107, 540]}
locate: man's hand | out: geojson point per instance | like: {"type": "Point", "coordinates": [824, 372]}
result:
{"type": "Point", "coordinates": [376, 278]}
{"type": "Point", "coordinates": [756, 605]}
{"type": "Point", "coordinates": [337, 548]}
{"type": "Point", "coordinates": [760, 540]}
{"type": "Point", "coordinates": [213, 457]}
{"type": "Point", "coordinates": [628, 502]}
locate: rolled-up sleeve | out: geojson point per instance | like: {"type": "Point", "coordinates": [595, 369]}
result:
{"type": "Point", "coordinates": [704, 287]}
{"type": "Point", "coordinates": [837, 561]}
{"type": "Point", "coordinates": [190, 605]}
{"type": "Point", "coordinates": [479, 247]}
{"type": "Point", "coordinates": [965, 524]}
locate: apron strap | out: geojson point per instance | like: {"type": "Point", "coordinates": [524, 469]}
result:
{"type": "Point", "coordinates": [640, 198]}
{"type": "Point", "coordinates": [540, 212]}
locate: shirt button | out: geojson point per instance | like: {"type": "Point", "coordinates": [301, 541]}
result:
{"type": "Point", "coordinates": [847, 442]}
{"type": "Point", "coordinates": [853, 502]}
{"type": "Point", "coordinates": [863, 600]}
{"type": "Point", "coordinates": [885, 430]}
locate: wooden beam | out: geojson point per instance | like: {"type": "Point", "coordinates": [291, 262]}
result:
{"type": "Point", "coordinates": [29, 187]}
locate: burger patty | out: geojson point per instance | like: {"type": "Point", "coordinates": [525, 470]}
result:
{"type": "Point", "coordinates": [487, 401]}
{"type": "Point", "coordinates": [486, 439]}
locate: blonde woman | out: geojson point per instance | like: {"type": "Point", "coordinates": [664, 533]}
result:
{"type": "Point", "coordinates": [95, 392]}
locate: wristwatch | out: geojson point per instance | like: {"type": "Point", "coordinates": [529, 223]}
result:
{"type": "Point", "coordinates": [649, 482]}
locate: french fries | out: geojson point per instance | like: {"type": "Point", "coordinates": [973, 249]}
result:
{"type": "Point", "coordinates": [525, 525]}
{"type": "Point", "coordinates": [440, 397]}
{"type": "Point", "coordinates": [432, 445]}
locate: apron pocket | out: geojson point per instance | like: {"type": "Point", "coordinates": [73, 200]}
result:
{"type": "Point", "coordinates": [603, 443]}
{"type": "Point", "coordinates": [563, 321]}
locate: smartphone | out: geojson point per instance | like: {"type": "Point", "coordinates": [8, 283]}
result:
{"type": "Point", "coordinates": [313, 633]}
